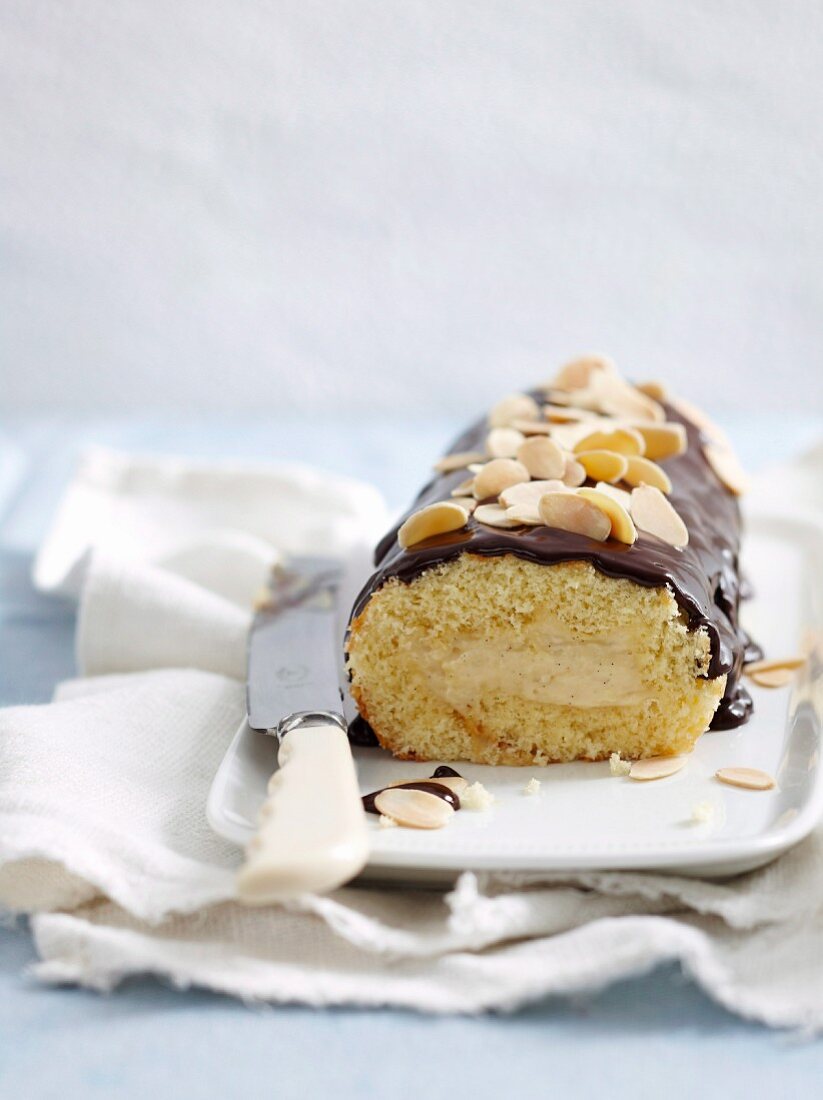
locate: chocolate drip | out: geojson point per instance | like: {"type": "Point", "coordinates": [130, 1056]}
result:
{"type": "Point", "coordinates": [703, 576]}
{"type": "Point", "coordinates": [430, 786]}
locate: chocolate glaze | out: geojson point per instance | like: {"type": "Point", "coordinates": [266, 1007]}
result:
{"type": "Point", "coordinates": [703, 576]}
{"type": "Point", "coordinates": [430, 786]}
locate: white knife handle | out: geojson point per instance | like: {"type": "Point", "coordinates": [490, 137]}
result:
{"type": "Point", "coordinates": [312, 833]}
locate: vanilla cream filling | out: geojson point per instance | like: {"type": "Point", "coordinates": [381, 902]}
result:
{"type": "Point", "coordinates": [541, 664]}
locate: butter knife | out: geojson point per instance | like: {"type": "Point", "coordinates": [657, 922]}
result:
{"type": "Point", "coordinates": [311, 833]}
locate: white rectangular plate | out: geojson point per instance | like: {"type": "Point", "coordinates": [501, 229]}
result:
{"type": "Point", "coordinates": [583, 818]}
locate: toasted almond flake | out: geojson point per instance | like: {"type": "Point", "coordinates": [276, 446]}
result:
{"type": "Point", "coordinates": [476, 467]}
{"type": "Point", "coordinates": [464, 489]}
{"type": "Point", "coordinates": [622, 527]}
{"type": "Point", "coordinates": [726, 466]}
{"type": "Point", "coordinates": [532, 787]}
{"type": "Point", "coordinates": [468, 504]}
{"type": "Point", "coordinates": [752, 779]}
{"type": "Point", "coordinates": [455, 783]}
{"type": "Point", "coordinates": [476, 797]}
{"type": "Point", "coordinates": [517, 406]}
{"type": "Point", "coordinates": [530, 492]}
{"type": "Point", "coordinates": [620, 495]}
{"type": "Point", "coordinates": [498, 475]}
{"type": "Point", "coordinates": [603, 465]}
{"type": "Point", "coordinates": [774, 674]}
{"type": "Point", "coordinates": [457, 461]}
{"type": "Point", "coordinates": [653, 513]}
{"type": "Point", "coordinates": [434, 519]}
{"type": "Point", "coordinates": [616, 397]}
{"type": "Point", "coordinates": [624, 441]}
{"type": "Point", "coordinates": [618, 766]}
{"type": "Point", "coordinates": [566, 414]}
{"type": "Point", "coordinates": [542, 457]}
{"type": "Point", "coordinates": [414, 809]}
{"type": "Point", "coordinates": [525, 515]}
{"type": "Point", "coordinates": [532, 427]}
{"type": "Point", "coordinates": [569, 512]}
{"type": "Point", "coordinates": [663, 440]}
{"type": "Point", "coordinates": [574, 474]}
{"type": "Point", "coordinates": [653, 389]}
{"type": "Point", "coordinates": [642, 471]}
{"type": "Point", "coordinates": [656, 767]}
{"type": "Point", "coordinates": [791, 664]}
{"type": "Point", "coordinates": [386, 822]}
{"type": "Point", "coordinates": [701, 420]}
{"type": "Point", "coordinates": [503, 442]}
{"type": "Point", "coordinates": [577, 374]}
{"type": "Point", "coordinates": [492, 515]}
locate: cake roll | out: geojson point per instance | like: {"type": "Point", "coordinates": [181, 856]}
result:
{"type": "Point", "coordinates": [566, 587]}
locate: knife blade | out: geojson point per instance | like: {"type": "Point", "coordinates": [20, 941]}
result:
{"type": "Point", "coordinates": [312, 833]}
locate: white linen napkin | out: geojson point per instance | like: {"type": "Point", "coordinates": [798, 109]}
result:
{"type": "Point", "coordinates": [103, 835]}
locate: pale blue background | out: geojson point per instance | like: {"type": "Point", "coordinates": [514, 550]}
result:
{"type": "Point", "coordinates": [653, 1036]}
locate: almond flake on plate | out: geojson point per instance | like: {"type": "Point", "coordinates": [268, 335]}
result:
{"type": "Point", "coordinates": [656, 767]}
{"type": "Point", "coordinates": [752, 779]}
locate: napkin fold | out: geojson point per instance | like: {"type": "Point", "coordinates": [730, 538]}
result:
{"type": "Point", "coordinates": [103, 835]}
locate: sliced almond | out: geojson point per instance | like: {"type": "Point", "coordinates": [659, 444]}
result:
{"type": "Point", "coordinates": [457, 461]}
{"type": "Point", "coordinates": [532, 427]}
{"type": "Point", "coordinates": [656, 767]}
{"type": "Point", "coordinates": [752, 779]}
{"type": "Point", "coordinates": [653, 389]}
{"type": "Point", "coordinates": [434, 519]}
{"type": "Point", "coordinates": [492, 515]}
{"type": "Point", "coordinates": [517, 406]}
{"type": "Point", "coordinates": [726, 466]}
{"type": "Point", "coordinates": [622, 527]}
{"type": "Point", "coordinates": [577, 374]}
{"type": "Point", "coordinates": [542, 457]}
{"type": "Point", "coordinates": [642, 471]}
{"type": "Point", "coordinates": [565, 414]}
{"type": "Point", "coordinates": [616, 397]}
{"type": "Point", "coordinates": [663, 440]}
{"type": "Point", "coordinates": [455, 783]}
{"type": "Point", "coordinates": [569, 512]}
{"type": "Point", "coordinates": [497, 475]}
{"type": "Point", "coordinates": [701, 420]}
{"type": "Point", "coordinates": [414, 809]}
{"type": "Point", "coordinates": [526, 515]}
{"type": "Point", "coordinates": [774, 674]}
{"type": "Point", "coordinates": [620, 495]}
{"type": "Point", "coordinates": [530, 492]}
{"type": "Point", "coordinates": [574, 474]}
{"type": "Point", "coordinates": [603, 465]}
{"type": "Point", "coordinates": [468, 504]}
{"type": "Point", "coordinates": [464, 489]}
{"type": "Point", "coordinates": [653, 513]}
{"type": "Point", "coordinates": [624, 441]}
{"type": "Point", "coordinates": [503, 442]}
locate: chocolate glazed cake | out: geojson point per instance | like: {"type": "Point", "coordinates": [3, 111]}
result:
{"type": "Point", "coordinates": [567, 587]}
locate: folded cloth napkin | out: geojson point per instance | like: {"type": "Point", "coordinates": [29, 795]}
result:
{"type": "Point", "coordinates": [103, 835]}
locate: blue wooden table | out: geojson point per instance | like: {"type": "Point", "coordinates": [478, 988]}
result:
{"type": "Point", "coordinates": [654, 1036]}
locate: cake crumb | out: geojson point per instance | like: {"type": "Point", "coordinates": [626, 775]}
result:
{"type": "Point", "coordinates": [702, 813]}
{"type": "Point", "coordinates": [532, 787]}
{"type": "Point", "coordinates": [386, 822]}
{"type": "Point", "coordinates": [617, 766]}
{"type": "Point", "coordinates": [476, 797]}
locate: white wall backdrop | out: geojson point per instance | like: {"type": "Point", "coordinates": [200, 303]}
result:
{"type": "Point", "coordinates": [225, 204]}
